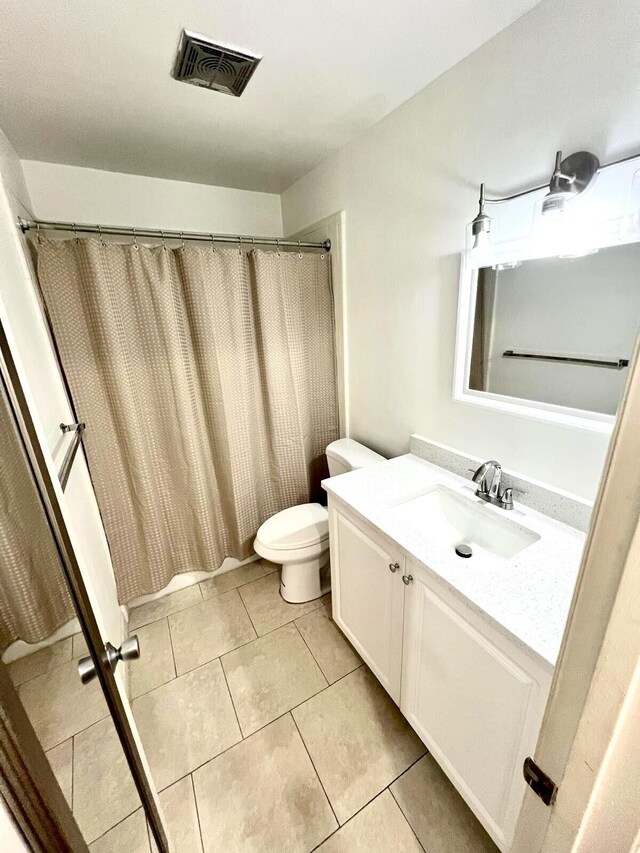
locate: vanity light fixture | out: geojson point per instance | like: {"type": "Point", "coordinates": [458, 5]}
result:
{"type": "Point", "coordinates": [481, 225]}
{"type": "Point", "coordinates": [571, 177]}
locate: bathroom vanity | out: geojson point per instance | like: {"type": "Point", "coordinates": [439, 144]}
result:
{"type": "Point", "coordinates": [465, 646]}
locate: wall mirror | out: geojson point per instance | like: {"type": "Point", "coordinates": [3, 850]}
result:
{"type": "Point", "coordinates": [558, 330]}
{"type": "Point", "coordinates": [547, 330]}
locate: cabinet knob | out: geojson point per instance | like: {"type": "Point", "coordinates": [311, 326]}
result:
{"type": "Point", "coordinates": [393, 567]}
{"type": "Point", "coordinates": [406, 579]}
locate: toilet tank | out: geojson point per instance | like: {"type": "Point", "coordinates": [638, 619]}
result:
{"type": "Point", "coordinates": [345, 454]}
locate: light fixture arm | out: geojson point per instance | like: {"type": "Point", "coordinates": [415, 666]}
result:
{"type": "Point", "coordinates": [559, 178]}
{"type": "Point", "coordinates": [601, 167]}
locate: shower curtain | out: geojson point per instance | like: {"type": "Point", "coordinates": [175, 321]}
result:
{"type": "Point", "coordinates": [34, 599]}
{"type": "Point", "coordinates": [206, 379]}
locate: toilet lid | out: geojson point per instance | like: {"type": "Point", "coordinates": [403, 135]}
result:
{"type": "Point", "coordinates": [295, 527]}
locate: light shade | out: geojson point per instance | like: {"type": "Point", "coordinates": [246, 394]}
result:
{"type": "Point", "coordinates": [571, 177]}
{"type": "Point", "coordinates": [481, 228]}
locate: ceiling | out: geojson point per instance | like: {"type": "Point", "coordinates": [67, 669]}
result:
{"type": "Point", "coordinates": [88, 83]}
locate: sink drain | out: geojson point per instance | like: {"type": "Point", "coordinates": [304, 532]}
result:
{"type": "Point", "coordinates": [464, 550]}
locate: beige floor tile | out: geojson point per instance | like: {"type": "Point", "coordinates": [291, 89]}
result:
{"type": "Point", "coordinates": [208, 630]}
{"type": "Point", "coordinates": [155, 664]}
{"type": "Point", "coordinates": [79, 646]}
{"type": "Point", "coordinates": [179, 807]}
{"type": "Point", "coordinates": [439, 816]}
{"type": "Point", "coordinates": [103, 789]}
{"type": "Point", "coordinates": [37, 663]}
{"type": "Point", "coordinates": [269, 568]}
{"type": "Point", "coordinates": [232, 580]}
{"type": "Point", "coordinates": [61, 761]}
{"type": "Point", "coordinates": [270, 676]}
{"type": "Point", "coordinates": [263, 796]}
{"type": "Point", "coordinates": [326, 600]}
{"type": "Point", "coordinates": [334, 654]}
{"type": "Point", "coordinates": [267, 609]}
{"type": "Point", "coordinates": [161, 607]}
{"type": "Point", "coordinates": [129, 836]}
{"type": "Point", "coordinates": [186, 722]}
{"type": "Point", "coordinates": [59, 705]}
{"type": "Point", "coordinates": [358, 740]}
{"type": "Point", "coordinates": [379, 828]}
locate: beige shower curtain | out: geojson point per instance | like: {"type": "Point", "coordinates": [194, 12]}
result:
{"type": "Point", "coordinates": [34, 599]}
{"type": "Point", "coordinates": [207, 382]}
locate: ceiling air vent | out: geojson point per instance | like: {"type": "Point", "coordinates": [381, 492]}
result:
{"type": "Point", "coordinates": [213, 66]}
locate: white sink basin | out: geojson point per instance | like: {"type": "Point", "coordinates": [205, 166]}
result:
{"type": "Point", "coordinates": [451, 519]}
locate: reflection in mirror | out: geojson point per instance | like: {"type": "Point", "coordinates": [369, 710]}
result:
{"type": "Point", "coordinates": [558, 331]}
{"type": "Point", "coordinates": [41, 645]}
{"type": "Point", "coordinates": [35, 601]}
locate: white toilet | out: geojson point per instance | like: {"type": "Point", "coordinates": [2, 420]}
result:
{"type": "Point", "coordinates": [298, 537]}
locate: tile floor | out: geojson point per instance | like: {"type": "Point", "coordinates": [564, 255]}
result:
{"type": "Point", "coordinates": [264, 731]}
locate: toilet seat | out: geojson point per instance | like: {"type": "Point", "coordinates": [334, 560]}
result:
{"type": "Point", "coordinates": [296, 528]}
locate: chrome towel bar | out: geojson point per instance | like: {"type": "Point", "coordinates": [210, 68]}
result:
{"type": "Point", "coordinates": [614, 364]}
{"type": "Point", "coordinates": [70, 455]}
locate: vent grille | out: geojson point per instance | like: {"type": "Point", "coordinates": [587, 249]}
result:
{"type": "Point", "coordinates": [213, 66]}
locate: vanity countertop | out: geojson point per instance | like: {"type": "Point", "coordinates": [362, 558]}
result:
{"type": "Point", "coordinates": [527, 596]}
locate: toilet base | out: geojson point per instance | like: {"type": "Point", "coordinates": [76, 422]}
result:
{"type": "Point", "coordinates": [305, 581]}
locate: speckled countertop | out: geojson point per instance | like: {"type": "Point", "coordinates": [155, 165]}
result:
{"type": "Point", "coordinates": [527, 596]}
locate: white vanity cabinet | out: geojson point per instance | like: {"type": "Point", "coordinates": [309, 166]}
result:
{"type": "Point", "coordinates": [473, 695]}
{"type": "Point", "coordinates": [367, 598]}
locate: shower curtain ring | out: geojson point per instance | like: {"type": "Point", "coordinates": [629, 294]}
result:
{"type": "Point", "coordinates": [135, 239]}
{"type": "Point", "coordinates": [239, 245]}
{"type": "Point", "coordinates": [278, 244]}
{"type": "Point", "coordinates": [299, 249]}
{"type": "Point", "coordinates": [213, 244]}
{"type": "Point", "coordinates": [164, 245]}
{"type": "Point", "coordinates": [38, 237]}
{"type": "Point", "coordinates": [182, 240]}
{"type": "Point", "coordinates": [102, 243]}
{"type": "Point", "coordinates": [75, 233]}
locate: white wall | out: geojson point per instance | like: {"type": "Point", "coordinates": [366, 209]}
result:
{"type": "Point", "coordinates": [21, 312]}
{"type": "Point", "coordinates": [75, 194]}
{"type": "Point", "coordinates": [563, 76]}
{"type": "Point", "coordinates": [11, 840]}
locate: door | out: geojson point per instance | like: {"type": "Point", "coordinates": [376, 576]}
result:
{"type": "Point", "coordinates": [474, 707]}
{"type": "Point", "coordinates": [368, 597]}
{"type": "Point", "coordinates": [102, 664]}
{"type": "Point", "coordinates": [577, 715]}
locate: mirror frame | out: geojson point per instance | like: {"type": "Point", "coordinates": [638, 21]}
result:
{"type": "Point", "coordinates": [610, 213]}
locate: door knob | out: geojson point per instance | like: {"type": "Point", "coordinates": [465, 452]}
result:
{"type": "Point", "coordinates": [406, 579]}
{"type": "Point", "coordinates": [393, 567]}
{"type": "Point", "coordinates": [129, 650]}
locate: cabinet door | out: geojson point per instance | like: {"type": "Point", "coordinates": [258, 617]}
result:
{"type": "Point", "coordinates": [367, 597]}
{"type": "Point", "coordinates": [477, 711]}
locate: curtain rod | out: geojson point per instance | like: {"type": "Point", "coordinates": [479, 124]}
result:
{"type": "Point", "coordinates": [128, 231]}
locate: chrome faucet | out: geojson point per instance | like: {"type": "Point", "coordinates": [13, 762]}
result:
{"type": "Point", "coordinates": [488, 477]}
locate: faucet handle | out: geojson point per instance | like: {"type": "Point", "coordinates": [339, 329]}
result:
{"type": "Point", "coordinates": [507, 499]}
